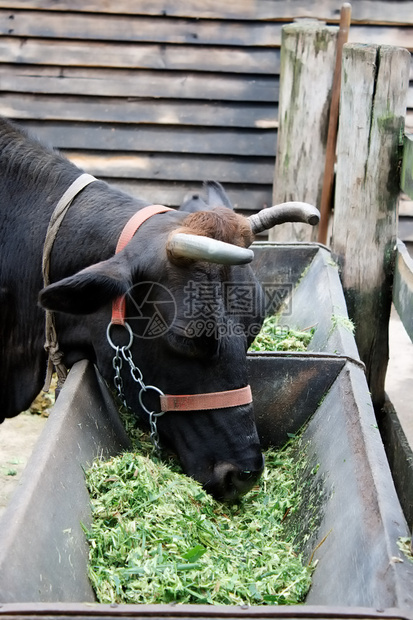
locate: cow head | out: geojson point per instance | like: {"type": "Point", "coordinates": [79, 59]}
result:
{"type": "Point", "coordinates": [193, 306]}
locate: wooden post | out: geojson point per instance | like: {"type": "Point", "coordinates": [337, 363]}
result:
{"type": "Point", "coordinates": [374, 87]}
{"type": "Point", "coordinates": [307, 68]}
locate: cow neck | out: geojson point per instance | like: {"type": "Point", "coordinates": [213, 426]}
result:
{"type": "Point", "coordinates": [168, 402]}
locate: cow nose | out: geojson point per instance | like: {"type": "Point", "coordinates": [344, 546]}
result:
{"type": "Point", "coordinates": [229, 481]}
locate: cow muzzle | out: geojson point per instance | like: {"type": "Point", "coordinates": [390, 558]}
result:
{"type": "Point", "coordinates": [228, 482]}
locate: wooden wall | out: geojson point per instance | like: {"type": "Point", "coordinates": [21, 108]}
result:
{"type": "Point", "coordinates": [158, 95]}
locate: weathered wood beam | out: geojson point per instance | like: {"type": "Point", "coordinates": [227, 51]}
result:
{"type": "Point", "coordinates": [365, 11]}
{"type": "Point", "coordinates": [307, 68]}
{"type": "Point", "coordinates": [99, 26]}
{"type": "Point", "coordinates": [373, 103]}
{"type": "Point", "coordinates": [162, 111]}
{"type": "Point", "coordinates": [246, 199]}
{"type": "Point", "coordinates": [382, 35]}
{"type": "Point", "coordinates": [138, 55]}
{"type": "Point", "coordinates": [165, 166]}
{"type": "Point", "coordinates": [125, 138]}
{"type": "Point", "coordinates": [224, 31]}
{"type": "Point", "coordinates": [105, 82]}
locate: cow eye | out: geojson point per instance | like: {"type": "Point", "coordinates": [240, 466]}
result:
{"type": "Point", "coordinates": [191, 346]}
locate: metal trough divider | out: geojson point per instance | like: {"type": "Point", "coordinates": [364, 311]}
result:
{"type": "Point", "coordinates": [43, 553]}
{"type": "Point", "coordinates": [310, 292]}
{"type": "Point", "coordinates": [359, 562]}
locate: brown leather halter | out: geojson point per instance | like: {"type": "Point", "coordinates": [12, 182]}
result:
{"type": "Point", "coordinates": [130, 228]}
{"type": "Point", "coordinates": [174, 402]}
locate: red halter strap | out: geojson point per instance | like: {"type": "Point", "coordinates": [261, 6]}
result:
{"type": "Point", "coordinates": [130, 228]}
{"type": "Point", "coordinates": [209, 400]}
{"type": "Point", "coordinates": [178, 402]}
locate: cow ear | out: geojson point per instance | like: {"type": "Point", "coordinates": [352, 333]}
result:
{"type": "Point", "coordinates": [216, 195]}
{"type": "Point", "coordinates": [88, 290]}
{"type": "Point", "coordinates": [193, 203]}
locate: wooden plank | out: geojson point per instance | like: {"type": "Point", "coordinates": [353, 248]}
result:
{"type": "Point", "coordinates": [176, 31]}
{"type": "Point", "coordinates": [142, 29]}
{"type": "Point", "coordinates": [406, 180]}
{"type": "Point", "coordinates": [402, 37]}
{"type": "Point", "coordinates": [166, 30]}
{"type": "Point", "coordinates": [246, 199]}
{"type": "Point", "coordinates": [169, 167]}
{"type": "Point", "coordinates": [403, 287]}
{"type": "Point", "coordinates": [92, 136]}
{"type": "Point", "coordinates": [138, 56]}
{"type": "Point", "coordinates": [164, 112]}
{"type": "Point", "coordinates": [374, 87]}
{"type": "Point", "coordinates": [307, 69]}
{"type": "Point", "coordinates": [374, 11]}
{"type": "Point", "coordinates": [136, 83]}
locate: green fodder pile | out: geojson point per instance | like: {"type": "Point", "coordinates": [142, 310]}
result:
{"type": "Point", "coordinates": [273, 337]}
{"type": "Point", "coordinates": [158, 537]}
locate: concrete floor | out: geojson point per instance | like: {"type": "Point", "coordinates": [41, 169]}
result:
{"type": "Point", "coordinates": [399, 378]}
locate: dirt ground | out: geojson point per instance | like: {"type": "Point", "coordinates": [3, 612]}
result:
{"type": "Point", "coordinates": [17, 438]}
{"type": "Point", "coordinates": [18, 435]}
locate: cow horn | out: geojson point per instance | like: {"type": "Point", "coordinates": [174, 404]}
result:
{"type": "Point", "coordinates": [197, 247]}
{"type": "Point", "coordinates": [285, 212]}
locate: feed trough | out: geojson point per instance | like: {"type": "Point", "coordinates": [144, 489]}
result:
{"type": "Point", "coordinates": [360, 569]}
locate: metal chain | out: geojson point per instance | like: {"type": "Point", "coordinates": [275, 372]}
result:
{"type": "Point", "coordinates": [137, 376]}
{"type": "Point", "coordinates": [154, 435]}
{"type": "Point", "coordinates": [117, 364]}
{"type": "Point", "coordinates": [134, 370]}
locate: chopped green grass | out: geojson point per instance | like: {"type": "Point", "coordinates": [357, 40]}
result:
{"type": "Point", "coordinates": [338, 320]}
{"type": "Point", "coordinates": [158, 537]}
{"type": "Point", "coordinates": [274, 337]}
{"type": "Point", "coordinates": [405, 545]}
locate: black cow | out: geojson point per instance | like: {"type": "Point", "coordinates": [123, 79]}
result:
{"type": "Point", "coordinates": [198, 337]}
